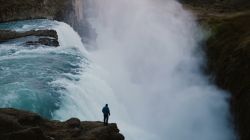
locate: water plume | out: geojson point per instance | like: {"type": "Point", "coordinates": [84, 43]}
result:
{"type": "Point", "coordinates": [150, 48]}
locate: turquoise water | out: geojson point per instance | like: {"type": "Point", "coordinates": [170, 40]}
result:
{"type": "Point", "coordinates": [27, 73]}
{"type": "Point", "coordinates": [28, 25]}
{"type": "Point", "coordinates": [151, 80]}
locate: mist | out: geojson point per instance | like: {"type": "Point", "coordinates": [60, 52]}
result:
{"type": "Point", "coordinates": [151, 54]}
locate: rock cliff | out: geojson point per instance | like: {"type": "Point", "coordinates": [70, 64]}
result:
{"type": "Point", "coordinates": [69, 11]}
{"type": "Point", "coordinates": [12, 10]}
{"type": "Point", "coordinates": [219, 5]}
{"type": "Point", "coordinates": [23, 125]}
{"type": "Point", "coordinates": [228, 53]}
{"type": "Point", "coordinates": [43, 37]}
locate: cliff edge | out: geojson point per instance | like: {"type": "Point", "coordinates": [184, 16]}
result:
{"type": "Point", "coordinates": [22, 125]}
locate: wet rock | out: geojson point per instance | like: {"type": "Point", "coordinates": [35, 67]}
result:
{"type": "Point", "coordinates": [45, 37]}
{"type": "Point", "coordinates": [6, 35]}
{"type": "Point", "coordinates": [48, 42]}
{"type": "Point", "coordinates": [44, 41]}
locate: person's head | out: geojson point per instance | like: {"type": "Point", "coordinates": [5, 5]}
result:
{"type": "Point", "coordinates": [106, 105]}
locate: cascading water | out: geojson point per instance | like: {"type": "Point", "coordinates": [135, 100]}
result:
{"type": "Point", "coordinates": [27, 73]}
{"type": "Point", "coordinates": [146, 66]}
{"type": "Point", "coordinates": [51, 81]}
{"type": "Point", "coordinates": [151, 50]}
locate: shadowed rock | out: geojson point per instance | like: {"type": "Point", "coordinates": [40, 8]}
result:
{"type": "Point", "coordinates": [228, 53]}
{"type": "Point", "coordinates": [23, 125]}
{"type": "Point", "coordinates": [46, 37]}
{"type": "Point", "coordinates": [69, 11]}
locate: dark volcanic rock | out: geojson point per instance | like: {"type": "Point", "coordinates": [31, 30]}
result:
{"type": "Point", "coordinates": [47, 37]}
{"type": "Point", "coordinates": [6, 35]}
{"type": "Point", "coordinates": [23, 125]}
{"type": "Point", "coordinates": [48, 42]}
{"type": "Point", "coordinates": [44, 41]}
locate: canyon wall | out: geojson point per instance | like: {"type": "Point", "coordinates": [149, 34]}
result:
{"type": "Point", "coordinates": [69, 11]}
{"type": "Point", "coordinates": [227, 51]}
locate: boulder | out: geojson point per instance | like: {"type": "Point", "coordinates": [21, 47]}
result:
{"type": "Point", "coordinates": [73, 123]}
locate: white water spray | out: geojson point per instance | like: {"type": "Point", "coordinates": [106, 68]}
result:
{"type": "Point", "coordinates": [150, 48]}
{"type": "Point", "coordinates": [150, 75]}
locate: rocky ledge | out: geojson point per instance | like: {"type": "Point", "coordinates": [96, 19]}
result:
{"type": "Point", "coordinates": [22, 125]}
{"type": "Point", "coordinates": [42, 37]}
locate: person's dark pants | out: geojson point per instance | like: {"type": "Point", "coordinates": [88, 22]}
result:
{"type": "Point", "coordinates": [106, 119]}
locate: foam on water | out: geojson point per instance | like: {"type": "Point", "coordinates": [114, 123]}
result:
{"type": "Point", "coordinates": [27, 73]}
{"type": "Point", "coordinates": [151, 52]}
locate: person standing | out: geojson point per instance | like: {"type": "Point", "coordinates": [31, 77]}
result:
{"type": "Point", "coordinates": [106, 114]}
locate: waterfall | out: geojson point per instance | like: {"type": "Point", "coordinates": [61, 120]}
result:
{"type": "Point", "coordinates": [150, 52]}
{"type": "Point", "coordinates": [28, 74]}
{"type": "Point", "coordinates": [147, 67]}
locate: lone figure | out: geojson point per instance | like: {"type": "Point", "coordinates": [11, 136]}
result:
{"type": "Point", "coordinates": [106, 114]}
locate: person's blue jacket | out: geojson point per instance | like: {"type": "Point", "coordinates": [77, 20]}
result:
{"type": "Point", "coordinates": [105, 110]}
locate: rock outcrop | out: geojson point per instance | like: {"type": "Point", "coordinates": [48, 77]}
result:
{"type": "Point", "coordinates": [219, 5]}
{"type": "Point", "coordinates": [228, 54]}
{"type": "Point", "coordinates": [44, 37]}
{"type": "Point", "coordinates": [69, 11]}
{"type": "Point", "coordinates": [12, 10]}
{"type": "Point", "coordinates": [23, 125]}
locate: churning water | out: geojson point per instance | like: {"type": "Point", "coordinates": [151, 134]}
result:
{"type": "Point", "coordinates": [146, 67]}
{"type": "Point", "coordinates": [28, 73]}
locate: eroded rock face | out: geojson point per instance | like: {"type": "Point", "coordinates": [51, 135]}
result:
{"type": "Point", "coordinates": [68, 11]}
{"type": "Point", "coordinates": [22, 125]}
{"type": "Point", "coordinates": [228, 53]}
{"type": "Point", "coordinates": [225, 4]}
{"type": "Point", "coordinates": [228, 56]}
{"type": "Point", "coordinates": [12, 10]}
{"type": "Point", "coordinates": [44, 37]}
